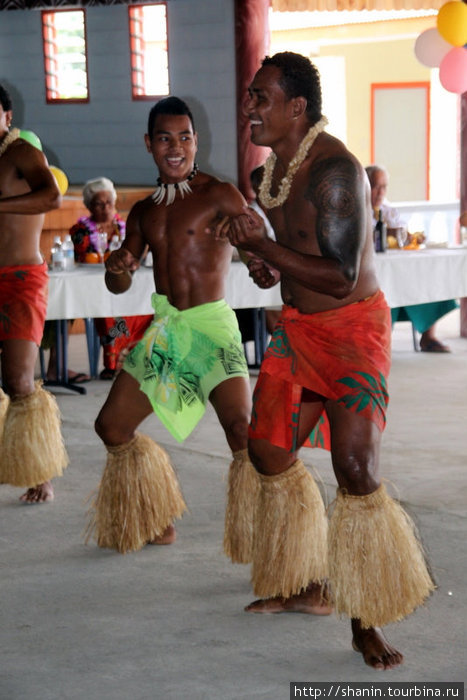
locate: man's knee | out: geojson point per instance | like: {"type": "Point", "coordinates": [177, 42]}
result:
{"type": "Point", "coordinates": [110, 430]}
{"type": "Point", "coordinates": [358, 475]}
{"type": "Point", "coordinates": [236, 431]}
{"type": "Point", "coordinates": [99, 426]}
{"type": "Point", "coordinates": [268, 459]}
{"type": "Point", "coordinates": [104, 428]}
{"type": "Point", "coordinates": [19, 385]}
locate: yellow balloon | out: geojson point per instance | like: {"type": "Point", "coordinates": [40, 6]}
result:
{"type": "Point", "coordinates": [62, 180]}
{"type": "Point", "coordinates": [452, 22]}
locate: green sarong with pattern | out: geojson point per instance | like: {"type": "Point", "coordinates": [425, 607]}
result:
{"type": "Point", "coordinates": [182, 357]}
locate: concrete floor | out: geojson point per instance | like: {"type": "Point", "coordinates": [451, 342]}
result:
{"type": "Point", "coordinates": [81, 623]}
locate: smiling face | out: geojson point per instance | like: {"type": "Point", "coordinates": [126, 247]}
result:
{"type": "Point", "coordinates": [267, 107]}
{"type": "Point", "coordinates": [173, 145]}
{"type": "Point", "coordinates": [5, 121]}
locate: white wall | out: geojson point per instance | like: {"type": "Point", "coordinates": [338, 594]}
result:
{"type": "Point", "coordinates": [106, 136]}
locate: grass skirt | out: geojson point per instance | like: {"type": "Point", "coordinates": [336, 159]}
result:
{"type": "Point", "coordinates": [138, 497]}
{"type": "Point", "coordinates": [4, 401]}
{"type": "Point", "coordinates": [242, 500]}
{"type": "Point", "coordinates": [377, 567]}
{"type": "Point", "coordinates": [32, 449]}
{"type": "Point", "coordinates": [289, 535]}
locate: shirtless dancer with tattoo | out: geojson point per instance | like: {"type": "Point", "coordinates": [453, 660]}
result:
{"type": "Point", "coordinates": [31, 449]}
{"type": "Point", "coordinates": [191, 353]}
{"type": "Point", "coordinates": [323, 378]}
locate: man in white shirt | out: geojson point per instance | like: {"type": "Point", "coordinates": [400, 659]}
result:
{"type": "Point", "coordinates": [422, 316]}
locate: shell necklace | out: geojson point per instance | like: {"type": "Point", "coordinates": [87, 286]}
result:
{"type": "Point", "coordinates": [8, 139]}
{"type": "Point", "coordinates": [171, 188]}
{"type": "Point", "coordinates": [264, 193]}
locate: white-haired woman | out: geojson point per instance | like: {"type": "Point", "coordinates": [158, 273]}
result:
{"type": "Point", "coordinates": [100, 197]}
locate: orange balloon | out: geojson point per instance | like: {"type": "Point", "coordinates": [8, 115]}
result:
{"type": "Point", "coordinates": [452, 22]}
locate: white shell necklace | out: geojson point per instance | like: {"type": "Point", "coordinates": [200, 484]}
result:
{"type": "Point", "coordinates": [171, 188]}
{"type": "Point", "coordinates": [264, 192]}
{"type": "Point", "coordinates": [8, 139]}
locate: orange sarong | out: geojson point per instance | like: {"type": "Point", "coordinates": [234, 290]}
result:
{"type": "Point", "coordinates": [343, 355]}
{"type": "Point", "coordinates": [23, 302]}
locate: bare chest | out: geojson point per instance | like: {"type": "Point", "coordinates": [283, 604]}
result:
{"type": "Point", "coordinates": [294, 223]}
{"type": "Point", "coordinates": [11, 182]}
{"type": "Point", "coordinates": [182, 228]}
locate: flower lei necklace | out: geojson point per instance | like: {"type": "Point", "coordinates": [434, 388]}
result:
{"type": "Point", "coordinates": [9, 138]}
{"type": "Point", "coordinates": [171, 188]}
{"type": "Point", "coordinates": [93, 230]}
{"type": "Point", "coordinates": [264, 193]}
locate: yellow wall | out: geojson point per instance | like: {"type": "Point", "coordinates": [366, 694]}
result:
{"type": "Point", "coordinates": [379, 52]}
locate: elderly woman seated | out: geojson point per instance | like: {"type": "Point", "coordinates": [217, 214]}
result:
{"type": "Point", "coordinates": [100, 197]}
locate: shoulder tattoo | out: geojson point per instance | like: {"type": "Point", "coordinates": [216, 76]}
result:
{"type": "Point", "coordinates": [333, 189]}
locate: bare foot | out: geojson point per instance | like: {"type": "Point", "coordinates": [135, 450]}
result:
{"type": "Point", "coordinates": [313, 601]}
{"type": "Point", "coordinates": [42, 493]}
{"type": "Point", "coordinates": [168, 536]}
{"type": "Point", "coordinates": [374, 647]}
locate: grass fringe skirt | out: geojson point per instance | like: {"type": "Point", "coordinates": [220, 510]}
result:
{"type": "Point", "coordinates": [290, 534]}
{"type": "Point", "coordinates": [4, 402]}
{"type": "Point", "coordinates": [377, 567]}
{"type": "Point", "coordinates": [138, 497]}
{"type": "Point", "coordinates": [242, 500]}
{"type": "Point", "coordinates": [32, 449]}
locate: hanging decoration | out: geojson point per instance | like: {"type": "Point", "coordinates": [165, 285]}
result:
{"type": "Point", "coordinates": [61, 178]}
{"type": "Point", "coordinates": [445, 46]}
{"type": "Point", "coordinates": [31, 138]}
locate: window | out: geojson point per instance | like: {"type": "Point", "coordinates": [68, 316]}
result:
{"type": "Point", "coordinates": [64, 44]}
{"type": "Point", "coordinates": [148, 47]}
{"type": "Point", "coordinates": [400, 136]}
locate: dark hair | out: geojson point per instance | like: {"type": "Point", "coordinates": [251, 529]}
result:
{"type": "Point", "coordinates": [168, 105]}
{"type": "Point", "coordinates": [300, 78]}
{"type": "Point", "coordinates": [5, 99]}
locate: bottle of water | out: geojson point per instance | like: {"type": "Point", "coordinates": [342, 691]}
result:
{"type": "Point", "coordinates": [58, 263]}
{"type": "Point", "coordinates": [68, 253]}
{"type": "Point", "coordinates": [115, 243]}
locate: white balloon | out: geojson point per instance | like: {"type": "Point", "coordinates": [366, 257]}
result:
{"type": "Point", "coordinates": [430, 48]}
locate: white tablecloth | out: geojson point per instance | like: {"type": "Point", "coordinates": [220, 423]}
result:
{"type": "Point", "coordinates": [82, 293]}
{"type": "Point", "coordinates": [406, 277]}
{"type": "Point", "coordinates": [418, 276]}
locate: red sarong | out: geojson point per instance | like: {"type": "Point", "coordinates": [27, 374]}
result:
{"type": "Point", "coordinates": [343, 355]}
{"type": "Point", "coordinates": [116, 334]}
{"type": "Point", "coordinates": [23, 302]}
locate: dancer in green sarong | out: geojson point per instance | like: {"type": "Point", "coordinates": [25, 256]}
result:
{"type": "Point", "coordinates": [191, 353]}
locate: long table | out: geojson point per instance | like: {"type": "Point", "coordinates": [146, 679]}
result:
{"type": "Point", "coordinates": [406, 277]}
{"type": "Point", "coordinates": [418, 276]}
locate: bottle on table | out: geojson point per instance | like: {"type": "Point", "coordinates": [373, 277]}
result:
{"type": "Point", "coordinates": [68, 253]}
{"type": "Point", "coordinates": [380, 234]}
{"type": "Point", "coordinates": [58, 260]}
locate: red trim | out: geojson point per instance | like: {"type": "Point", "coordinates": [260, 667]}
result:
{"type": "Point", "coordinates": [50, 53]}
{"type": "Point", "coordinates": [135, 14]}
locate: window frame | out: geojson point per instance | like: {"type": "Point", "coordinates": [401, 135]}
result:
{"type": "Point", "coordinates": [48, 90]}
{"type": "Point", "coordinates": [132, 39]}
